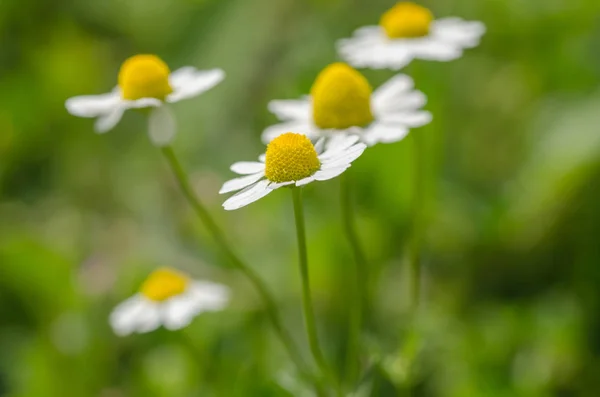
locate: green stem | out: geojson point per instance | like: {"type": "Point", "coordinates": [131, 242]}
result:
{"type": "Point", "coordinates": [309, 315]}
{"type": "Point", "coordinates": [418, 220]}
{"type": "Point", "coordinates": [222, 242]}
{"type": "Point", "coordinates": [361, 291]}
{"type": "Point", "coordinates": [410, 344]}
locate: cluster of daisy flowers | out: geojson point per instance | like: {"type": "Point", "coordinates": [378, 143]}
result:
{"type": "Point", "coordinates": [318, 137]}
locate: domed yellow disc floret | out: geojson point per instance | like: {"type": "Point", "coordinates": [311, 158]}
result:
{"type": "Point", "coordinates": [290, 157]}
{"type": "Point", "coordinates": [341, 98]}
{"type": "Point", "coordinates": [406, 20]}
{"type": "Point", "coordinates": [163, 284]}
{"type": "Point", "coordinates": [144, 76]}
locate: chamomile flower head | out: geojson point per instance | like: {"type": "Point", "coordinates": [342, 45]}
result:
{"type": "Point", "coordinates": [168, 298]}
{"type": "Point", "coordinates": [409, 31]}
{"type": "Point", "coordinates": [341, 101]}
{"type": "Point", "coordinates": [145, 81]}
{"type": "Point", "coordinates": [290, 160]}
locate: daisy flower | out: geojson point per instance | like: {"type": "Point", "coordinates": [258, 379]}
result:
{"type": "Point", "coordinates": [169, 298]}
{"type": "Point", "coordinates": [408, 31]}
{"type": "Point", "coordinates": [290, 160]}
{"type": "Point", "coordinates": [342, 101]}
{"type": "Point", "coordinates": [145, 81]}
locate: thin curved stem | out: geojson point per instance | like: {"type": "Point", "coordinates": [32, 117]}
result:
{"type": "Point", "coordinates": [307, 306]}
{"type": "Point", "coordinates": [361, 291]}
{"type": "Point", "coordinates": [222, 242]}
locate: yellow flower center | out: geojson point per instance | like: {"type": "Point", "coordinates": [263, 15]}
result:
{"type": "Point", "coordinates": [290, 157]}
{"type": "Point", "coordinates": [163, 284]}
{"type": "Point", "coordinates": [406, 20]}
{"type": "Point", "coordinates": [341, 98]}
{"type": "Point", "coordinates": [144, 76]}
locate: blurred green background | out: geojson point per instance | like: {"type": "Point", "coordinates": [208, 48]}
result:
{"type": "Point", "coordinates": [511, 296]}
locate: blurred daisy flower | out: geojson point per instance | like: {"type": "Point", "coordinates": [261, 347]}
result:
{"type": "Point", "coordinates": [145, 81]}
{"type": "Point", "coordinates": [408, 31]}
{"type": "Point", "coordinates": [290, 160]}
{"type": "Point", "coordinates": [169, 298]}
{"type": "Point", "coordinates": [342, 101]}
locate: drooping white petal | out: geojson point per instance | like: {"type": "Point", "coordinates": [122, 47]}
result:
{"type": "Point", "coordinates": [150, 318]}
{"type": "Point", "coordinates": [299, 126]}
{"type": "Point", "coordinates": [178, 312]}
{"type": "Point", "coordinates": [466, 34]}
{"type": "Point", "coordinates": [93, 105]}
{"type": "Point", "coordinates": [407, 118]}
{"type": "Point", "coordinates": [247, 167]}
{"type": "Point", "coordinates": [242, 182]}
{"type": "Point", "coordinates": [247, 196]}
{"type": "Point", "coordinates": [161, 126]}
{"type": "Point", "coordinates": [107, 122]}
{"type": "Point", "coordinates": [137, 314]}
{"type": "Point", "coordinates": [123, 319]}
{"type": "Point", "coordinates": [206, 296]}
{"type": "Point", "coordinates": [384, 133]}
{"type": "Point", "coordinates": [292, 109]}
{"type": "Point", "coordinates": [189, 82]}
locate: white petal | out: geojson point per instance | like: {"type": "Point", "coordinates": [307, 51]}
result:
{"type": "Point", "coordinates": [299, 127]}
{"type": "Point", "coordinates": [123, 318]}
{"type": "Point", "coordinates": [345, 157]}
{"type": "Point", "coordinates": [93, 105]}
{"type": "Point", "coordinates": [149, 319]}
{"type": "Point", "coordinates": [292, 109]}
{"type": "Point", "coordinates": [275, 185]}
{"type": "Point", "coordinates": [323, 175]}
{"type": "Point", "coordinates": [262, 158]}
{"type": "Point", "coordinates": [305, 181]}
{"type": "Point", "coordinates": [187, 83]}
{"type": "Point", "coordinates": [410, 101]}
{"type": "Point", "coordinates": [394, 88]}
{"type": "Point", "coordinates": [107, 122]}
{"type": "Point", "coordinates": [407, 118]}
{"type": "Point", "coordinates": [466, 34]}
{"type": "Point", "coordinates": [141, 103]}
{"type": "Point", "coordinates": [241, 183]}
{"type": "Point", "coordinates": [178, 312]}
{"type": "Point", "coordinates": [338, 144]}
{"type": "Point", "coordinates": [137, 314]}
{"type": "Point", "coordinates": [434, 49]}
{"type": "Point", "coordinates": [248, 196]}
{"type": "Point", "coordinates": [384, 133]}
{"type": "Point", "coordinates": [207, 296]}
{"type": "Point", "coordinates": [375, 50]}
{"type": "Point", "coordinates": [161, 126]}
{"type": "Point", "coordinates": [320, 145]}
{"type": "Point", "coordinates": [247, 167]}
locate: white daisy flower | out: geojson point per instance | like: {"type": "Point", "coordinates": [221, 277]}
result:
{"type": "Point", "coordinates": [290, 160]}
{"type": "Point", "coordinates": [406, 32]}
{"type": "Point", "coordinates": [145, 81]}
{"type": "Point", "coordinates": [342, 101]}
{"type": "Point", "coordinates": [167, 298]}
